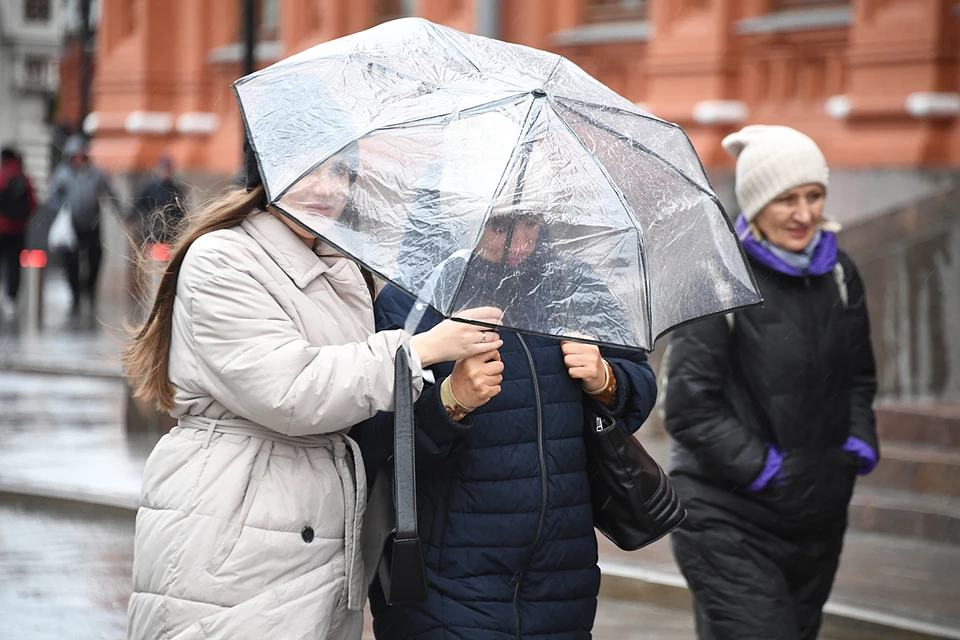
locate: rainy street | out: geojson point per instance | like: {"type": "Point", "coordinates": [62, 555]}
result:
{"type": "Point", "coordinates": [214, 196]}
{"type": "Point", "coordinates": [65, 567]}
{"type": "Point", "coordinates": [66, 571]}
{"type": "Point", "coordinates": [66, 574]}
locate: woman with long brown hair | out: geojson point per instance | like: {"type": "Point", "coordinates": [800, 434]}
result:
{"type": "Point", "coordinates": [261, 343]}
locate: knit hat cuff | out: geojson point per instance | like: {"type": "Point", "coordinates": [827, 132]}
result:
{"type": "Point", "coordinates": [758, 187]}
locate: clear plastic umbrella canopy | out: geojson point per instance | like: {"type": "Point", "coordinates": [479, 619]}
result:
{"type": "Point", "coordinates": [472, 172]}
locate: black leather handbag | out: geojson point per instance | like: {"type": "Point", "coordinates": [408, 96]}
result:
{"type": "Point", "coordinates": [403, 576]}
{"type": "Point", "coordinates": [634, 503]}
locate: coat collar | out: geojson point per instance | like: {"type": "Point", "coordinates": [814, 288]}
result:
{"type": "Point", "coordinates": [285, 248]}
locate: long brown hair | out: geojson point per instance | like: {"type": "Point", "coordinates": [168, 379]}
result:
{"type": "Point", "coordinates": [146, 358]}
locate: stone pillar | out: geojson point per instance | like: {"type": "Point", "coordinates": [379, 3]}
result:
{"type": "Point", "coordinates": [530, 23]}
{"type": "Point", "coordinates": [196, 119]}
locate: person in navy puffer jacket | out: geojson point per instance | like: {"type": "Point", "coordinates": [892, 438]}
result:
{"type": "Point", "coordinates": [503, 496]}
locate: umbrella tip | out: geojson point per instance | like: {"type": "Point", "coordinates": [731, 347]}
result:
{"type": "Point", "coordinates": [538, 93]}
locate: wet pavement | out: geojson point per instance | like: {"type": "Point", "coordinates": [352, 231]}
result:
{"type": "Point", "coordinates": [87, 343]}
{"type": "Point", "coordinates": [65, 568]}
{"type": "Point", "coordinates": [68, 567]}
{"type": "Point", "coordinates": [64, 573]}
{"type": "Point", "coordinates": [64, 435]}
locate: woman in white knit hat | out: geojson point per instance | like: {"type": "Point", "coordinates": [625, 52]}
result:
{"type": "Point", "coordinates": [771, 409]}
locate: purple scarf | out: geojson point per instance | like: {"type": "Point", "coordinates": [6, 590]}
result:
{"type": "Point", "coordinates": [822, 261]}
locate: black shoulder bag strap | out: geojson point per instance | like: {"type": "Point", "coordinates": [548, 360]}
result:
{"type": "Point", "coordinates": [403, 576]}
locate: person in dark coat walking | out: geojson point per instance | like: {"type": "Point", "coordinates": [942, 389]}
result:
{"type": "Point", "coordinates": [158, 208]}
{"type": "Point", "coordinates": [17, 203]}
{"type": "Point", "coordinates": [771, 408]}
{"type": "Point", "coordinates": [81, 184]}
{"type": "Point", "coordinates": [503, 495]}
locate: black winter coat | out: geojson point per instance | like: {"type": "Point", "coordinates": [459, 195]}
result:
{"type": "Point", "coordinates": [797, 372]}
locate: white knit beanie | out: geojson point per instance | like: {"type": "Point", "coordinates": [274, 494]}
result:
{"type": "Point", "coordinates": [771, 160]}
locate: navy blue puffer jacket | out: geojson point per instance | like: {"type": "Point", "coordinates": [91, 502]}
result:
{"type": "Point", "coordinates": [503, 498]}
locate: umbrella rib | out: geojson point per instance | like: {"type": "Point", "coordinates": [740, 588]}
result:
{"type": "Point", "coordinates": [440, 34]}
{"type": "Point", "coordinates": [713, 197]}
{"type": "Point", "coordinates": [648, 303]}
{"type": "Point", "coordinates": [560, 60]}
{"type": "Point", "coordinates": [477, 108]}
{"type": "Point", "coordinates": [611, 107]}
{"type": "Point", "coordinates": [636, 144]}
{"type": "Point", "coordinates": [524, 130]}
{"type": "Point", "coordinates": [249, 135]}
{"type": "Point", "coordinates": [636, 221]}
{"type": "Point", "coordinates": [395, 125]}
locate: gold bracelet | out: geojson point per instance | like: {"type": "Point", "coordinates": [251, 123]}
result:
{"type": "Point", "coordinates": [455, 409]}
{"type": "Point", "coordinates": [608, 393]}
{"type": "Point", "coordinates": [606, 381]}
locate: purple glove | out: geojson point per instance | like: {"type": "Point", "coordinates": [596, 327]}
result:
{"type": "Point", "coordinates": [863, 451]}
{"type": "Point", "coordinates": [770, 469]}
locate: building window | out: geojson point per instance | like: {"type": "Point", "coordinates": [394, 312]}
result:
{"type": "Point", "coordinates": [790, 5]}
{"type": "Point", "coordinates": [615, 10]}
{"type": "Point", "coordinates": [35, 70]}
{"type": "Point", "coordinates": [36, 10]}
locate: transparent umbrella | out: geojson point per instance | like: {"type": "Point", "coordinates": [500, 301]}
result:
{"type": "Point", "coordinates": [472, 172]}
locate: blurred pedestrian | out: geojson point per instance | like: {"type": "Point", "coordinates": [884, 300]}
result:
{"type": "Point", "coordinates": [510, 549]}
{"type": "Point", "coordinates": [79, 184]}
{"type": "Point", "coordinates": [158, 207]}
{"type": "Point", "coordinates": [772, 408]}
{"type": "Point", "coordinates": [17, 203]}
{"type": "Point", "coordinates": [261, 343]}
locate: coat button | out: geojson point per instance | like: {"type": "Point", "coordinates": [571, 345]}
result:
{"type": "Point", "coordinates": [307, 534]}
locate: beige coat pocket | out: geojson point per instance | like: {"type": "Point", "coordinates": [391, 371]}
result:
{"type": "Point", "coordinates": [231, 535]}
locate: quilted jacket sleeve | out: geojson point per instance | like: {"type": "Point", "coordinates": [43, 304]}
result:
{"type": "Point", "coordinates": [636, 387]}
{"type": "Point", "coordinates": [698, 415]}
{"type": "Point", "coordinates": [255, 361]}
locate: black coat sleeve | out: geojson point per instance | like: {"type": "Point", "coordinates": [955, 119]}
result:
{"type": "Point", "coordinates": [698, 415]}
{"type": "Point", "coordinates": [863, 391]}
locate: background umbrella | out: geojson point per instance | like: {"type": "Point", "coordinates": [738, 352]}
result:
{"type": "Point", "coordinates": [457, 136]}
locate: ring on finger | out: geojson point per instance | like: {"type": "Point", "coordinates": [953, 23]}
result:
{"type": "Point", "coordinates": [483, 337]}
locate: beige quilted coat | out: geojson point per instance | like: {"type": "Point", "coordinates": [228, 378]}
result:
{"type": "Point", "coordinates": [250, 509]}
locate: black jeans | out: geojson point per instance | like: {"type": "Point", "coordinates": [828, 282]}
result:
{"type": "Point", "coordinates": [10, 247]}
{"type": "Point", "coordinates": [87, 254]}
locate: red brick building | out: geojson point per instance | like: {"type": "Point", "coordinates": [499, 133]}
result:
{"type": "Point", "coordinates": [875, 82]}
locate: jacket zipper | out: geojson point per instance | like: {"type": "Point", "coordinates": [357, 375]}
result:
{"type": "Point", "coordinates": [543, 476]}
